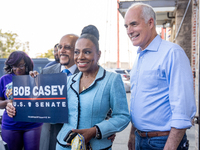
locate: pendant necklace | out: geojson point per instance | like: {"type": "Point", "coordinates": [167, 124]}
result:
{"type": "Point", "coordinates": [86, 86]}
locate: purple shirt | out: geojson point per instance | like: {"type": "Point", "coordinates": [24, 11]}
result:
{"type": "Point", "coordinates": [7, 122]}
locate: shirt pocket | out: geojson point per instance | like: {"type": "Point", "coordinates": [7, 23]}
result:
{"type": "Point", "coordinates": [162, 79]}
{"type": "Point", "coordinates": [150, 80]}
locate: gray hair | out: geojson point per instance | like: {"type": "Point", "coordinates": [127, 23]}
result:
{"type": "Point", "coordinates": [147, 11]}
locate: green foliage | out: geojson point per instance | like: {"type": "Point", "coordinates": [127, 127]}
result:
{"type": "Point", "coordinates": [49, 54]}
{"type": "Point", "coordinates": [10, 43]}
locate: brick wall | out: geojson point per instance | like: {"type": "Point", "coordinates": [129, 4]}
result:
{"type": "Point", "coordinates": [195, 61]}
{"type": "Point", "coordinates": [184, 36]}
{"type": "Point", "coordinates": [194, 40]}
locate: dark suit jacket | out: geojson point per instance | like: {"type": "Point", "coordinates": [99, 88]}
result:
{"type": "Point", "coordinates": [49, 131]}
{"type": "Point", "coordinates": [56, 68]}
{"type": "Point", "coordinates": [50, 64]}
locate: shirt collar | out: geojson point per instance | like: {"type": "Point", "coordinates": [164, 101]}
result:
{"type": "Point", "coordinates": [71, 69]}
{"type": "Point", "coordinates": [99, 75]}
{"type": "Point", "coordinates": [75, 84]}
{"type": "Point", "coordinates": [153, 46]}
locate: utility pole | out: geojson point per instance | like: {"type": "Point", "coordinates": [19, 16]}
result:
{"type": "Point", "coordinates": [118, 61]}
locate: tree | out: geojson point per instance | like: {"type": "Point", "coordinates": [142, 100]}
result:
{"type": "Point", "coordinates": [10, 43]}
{"type": "Point", "coordinates": [49, 54]}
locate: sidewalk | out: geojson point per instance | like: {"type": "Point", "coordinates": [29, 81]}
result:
{"type": "Point", "coordinates": [121, 139]}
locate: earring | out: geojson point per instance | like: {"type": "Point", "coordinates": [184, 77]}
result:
{"type": "Point", "coordinates": [11, 70]}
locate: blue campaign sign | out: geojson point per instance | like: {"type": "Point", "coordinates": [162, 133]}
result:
{"type": "Point", "coordinates": [41, 99]}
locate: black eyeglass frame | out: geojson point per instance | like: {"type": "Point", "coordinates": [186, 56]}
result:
{"type": "Point", "coordinates": [20, 67]}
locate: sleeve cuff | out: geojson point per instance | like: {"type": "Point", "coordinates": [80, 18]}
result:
{"type": "Point", "coordinates": [181, 122]}
{"type": "Point", "coordinates": [98, 134]}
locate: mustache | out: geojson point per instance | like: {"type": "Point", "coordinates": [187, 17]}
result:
{"type": "Point", "coordinates": [63, 55]}
{"type": "Point", "coordinates": [65, 63]}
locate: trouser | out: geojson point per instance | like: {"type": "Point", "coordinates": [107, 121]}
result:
{"type": "Point", "coordinates": [48, 136]}
{"type": "Point", "coordinates": [17, 139]}
{"type": "Point", "coordinates": [156, 143]}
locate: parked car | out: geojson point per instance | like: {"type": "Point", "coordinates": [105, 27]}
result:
{"type": "Point", "coordinates": [127, 86]}
{"type": "Point", "coordinates": [124, 74]}
{"type": "Point", "coordinates": [128, 70]}
{"type": "Point", "coordinates": [125, 78]}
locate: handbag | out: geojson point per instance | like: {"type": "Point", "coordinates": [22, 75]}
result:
{"type": "Point", "coordinates": [78, 143]}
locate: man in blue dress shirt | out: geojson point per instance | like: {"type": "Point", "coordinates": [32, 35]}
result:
{"type": "Point", "coordinates": [162, 95]}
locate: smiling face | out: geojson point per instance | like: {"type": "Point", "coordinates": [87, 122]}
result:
{"type": "Point", "coordinates": [20, 68]}
{"type": "Point", "coordinates": [66, 50]}
{"type": "Point", "coordinates": [140, 33]}
{"type": "Point", "coordinates": [86, 55]}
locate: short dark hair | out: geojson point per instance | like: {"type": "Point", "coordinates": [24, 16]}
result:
{"type": "Point", "coordinates": [14, 59]}
{"type": "Point", "coordinates": [55, 46]}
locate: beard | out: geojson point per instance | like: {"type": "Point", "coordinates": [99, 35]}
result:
{"type": "Point", "coordinates": [65, 63]}
{"type": "Point", "coordinates": [57, 59]}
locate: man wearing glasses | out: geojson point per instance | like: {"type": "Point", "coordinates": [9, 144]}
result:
{"type": "Point", "coordinates": [66, 65]}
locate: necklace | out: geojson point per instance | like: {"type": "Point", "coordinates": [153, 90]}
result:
{"type": "Point", "coordinates": [88, 82]}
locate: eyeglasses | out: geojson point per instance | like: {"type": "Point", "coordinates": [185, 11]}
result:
{"type": "Point", "coordinates": [66, 47]}
{"type": "Point", "coordinates": [20, 67]}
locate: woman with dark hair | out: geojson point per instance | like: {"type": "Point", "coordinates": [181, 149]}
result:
{"type": "Point", "coordinates": [17, 134]}
{"type": "Point", "coordinates": [91, 94]}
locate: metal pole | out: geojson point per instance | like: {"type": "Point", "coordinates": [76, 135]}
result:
{"type": "Point", "coordinates": [182, 21]}
{"type": "Point", "coordinates": [118, 61]}
{"type": "Point", "coordinates": [198, 50]}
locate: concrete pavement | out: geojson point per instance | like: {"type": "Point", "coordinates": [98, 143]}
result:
{"type": "Point", "coordinates": [121, 139]}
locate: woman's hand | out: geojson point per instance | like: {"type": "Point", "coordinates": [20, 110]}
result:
{"type": "Point", "coordinates": [112, 137]}
{"type": "Point", "coordinates": [88, 134]}
{"type": "Point", "coordinates": [33, 74]}
{"type": "Point", "coordinates": [10, 109]}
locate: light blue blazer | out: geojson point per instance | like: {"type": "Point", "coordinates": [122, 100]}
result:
{"type": "Point", "coordinates": [90, 107]}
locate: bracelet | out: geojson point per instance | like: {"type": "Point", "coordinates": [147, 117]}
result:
{"type": "Point", "coordinates": [98, 135]}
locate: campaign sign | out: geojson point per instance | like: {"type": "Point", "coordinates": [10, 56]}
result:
{"type": "Point", "coordinates": [41, 99]}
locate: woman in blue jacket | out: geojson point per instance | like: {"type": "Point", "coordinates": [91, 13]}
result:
{"type": "Point", "coordinates": [91, 94]}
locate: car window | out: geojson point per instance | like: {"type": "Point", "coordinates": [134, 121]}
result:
{"type": "Point", "coordinates": [39, 66]}
{"type": "Point", "coordinates": [120, 71]}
